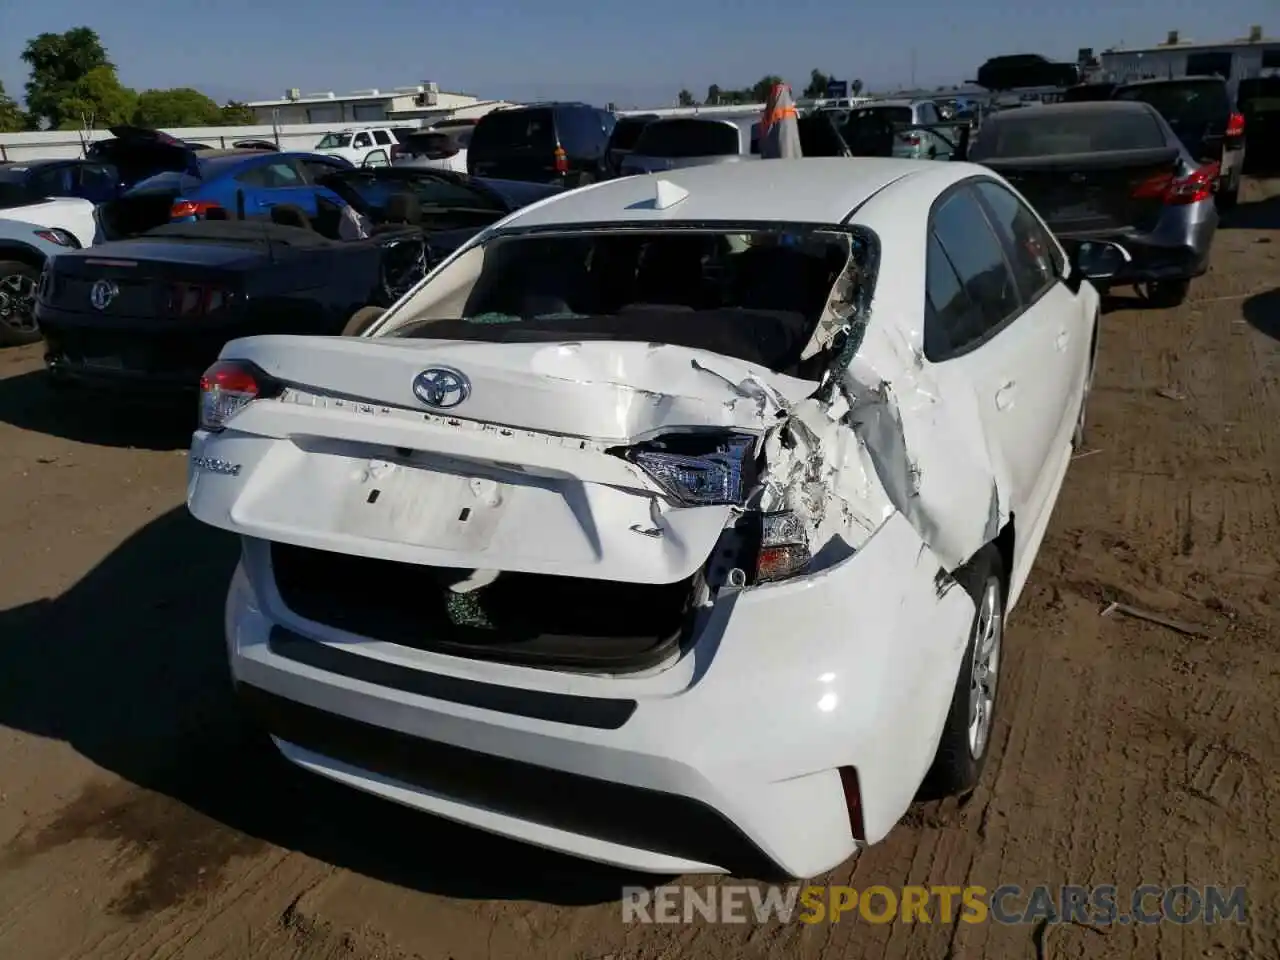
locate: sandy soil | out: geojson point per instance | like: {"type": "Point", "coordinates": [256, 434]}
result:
{"type": "Point", "coordinates": [138, 820]}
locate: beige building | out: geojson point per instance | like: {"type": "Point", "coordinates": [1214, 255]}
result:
{"type": "Point", "coordinates": [426, 101]}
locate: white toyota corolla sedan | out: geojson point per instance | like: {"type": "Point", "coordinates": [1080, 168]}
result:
{"type": "Point", "coordinates": [672, 522]}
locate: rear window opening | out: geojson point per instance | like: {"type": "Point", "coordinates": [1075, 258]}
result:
{"type": "Point", "coordinates": [522, 618]}
{"type": "Point", "coordinates": [1055, 133]}
{"type": "Point", "coordinates": [689, 138]}
{"type": "Point", "coordinates": [515, 130]}
{"type": "Point", "coordinates": [753, 293]}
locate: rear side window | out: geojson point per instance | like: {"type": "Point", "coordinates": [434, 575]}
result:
{"type": "Point", "coordinates": [963, 241]}
{"type": "Point", "coordinates": [164, 183]}
{"type": "Point", "coordinates": [1185, 101]}
{"type": "Point", "coordinates": [362, 140]}
{"type": "Point", "coordinates": [627, 132]}
{"type": "Point", "coordinates": [1030, 250]}
{"type": "Point", "coordinates": [514, 130]}
{"type": "Point", "coordinates": [1054, 132]}
{"type": "Point", "coordinates": [581, 131]}
{"type": "Point", "coordinates": [927, 113]}
{"type": "Point", "coordinates": [689, 138]}
{"type": "Point", "coordinates": [380, 137]}
{"type": "Point", "coordinates": [271, 175]}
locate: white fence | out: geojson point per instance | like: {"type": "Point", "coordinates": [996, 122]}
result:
{"type": "Point", "coordinates": [57, 144]}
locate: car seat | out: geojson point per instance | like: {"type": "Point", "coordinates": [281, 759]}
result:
{"type": "Point", "coordinates": [288, 215]}
{"type": "Point", "coordinates": [403, 209]}
{"type": "Point", "coordinates": [328, 216]}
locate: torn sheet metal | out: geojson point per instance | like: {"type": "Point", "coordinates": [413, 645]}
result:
{"type": "Point", "coordinates": [928, 448]}
{"type": "Point", "coordinates": [602, 390]}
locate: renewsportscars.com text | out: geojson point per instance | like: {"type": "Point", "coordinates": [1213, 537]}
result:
{"type": "Point", "coordinates": [1100, 905]}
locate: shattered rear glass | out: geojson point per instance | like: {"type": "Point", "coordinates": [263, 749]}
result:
{"type": "Point", "coordinates": [771, 296]}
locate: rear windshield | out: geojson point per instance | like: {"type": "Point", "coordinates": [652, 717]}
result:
{"type": "Point", "coordinates": [1183, 101]}
{"type": "Point", "coordinates": [169, 182]}
{"type": "Point", "coordinates": [1052, 133]}
{"type": "Point", "coordinates": [1260, 95]}
{"type": "Point", "coordinates": [334, 141]}
{"type": "Point", "coordinates": [627, 132]}
{"type": "Point", "coordinates": [689, 138]}
{"type": "Point", "coordinates": [898, 116]}
{"type": "Point", "coordinates": [755, 294]}
{"type": "Point", "coordinates": [514, 129]}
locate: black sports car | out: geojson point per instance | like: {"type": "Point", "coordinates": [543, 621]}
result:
{"type": "Point", "coordinates": [154, 311]}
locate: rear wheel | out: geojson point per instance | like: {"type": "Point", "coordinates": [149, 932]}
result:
{"type": "Point", "coordinates": [1230, 196]}
{"type": "Point", "coordinates": [1168, 293]}
{"type": "Point", "coordinates": [966, 735]}
{"type": "Point", "coordinates": [18, 303]}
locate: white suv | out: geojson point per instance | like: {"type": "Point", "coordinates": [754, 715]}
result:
{"type": "Point", "coordinates": [364, 148]}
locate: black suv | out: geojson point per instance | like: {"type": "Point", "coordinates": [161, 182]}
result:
{"type": "Point", "coordinates": [562, 143]}
{"type": "Point", "coordinates": [1201, 113]}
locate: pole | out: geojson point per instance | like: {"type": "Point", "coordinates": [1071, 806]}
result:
{"type": "Point", "coordinates": [913, 68]}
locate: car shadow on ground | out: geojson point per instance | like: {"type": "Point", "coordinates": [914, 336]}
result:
{"type": "Point", "coordinates": [1262, 312]}
{"type": "Point", "coordinates": [30, 402]}
{"type": "Point", "coordinates": [128, 667]}
{"type": "Point", "coordinates": [1254, 215]}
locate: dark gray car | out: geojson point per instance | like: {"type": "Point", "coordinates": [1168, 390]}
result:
{"type": "Point", "coordinates": [1111, 171]}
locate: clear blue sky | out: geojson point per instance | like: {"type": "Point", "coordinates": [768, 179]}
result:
{"type": "Point", "coordinates": [634, 52]}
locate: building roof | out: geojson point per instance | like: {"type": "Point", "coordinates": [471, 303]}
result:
{"type": "Point", "coordinates": [809, 190]}
{"type": "Point", "coordinates": [1191, 46]}
{"type": "Point", "coordinates": [356, 96]}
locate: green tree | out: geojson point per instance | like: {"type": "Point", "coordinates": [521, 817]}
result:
{"type": "Point", "coordinates": [179, 107]}
{"type": "Point", "coordinates": [686, 99]}
{"type": "Point", "coordinates": [855, 87]}
{"type": "Point", "coordinates": [817, 87]}
{"type": "Point", "coordinates": [237, 114]}
{"type": "Point", "coordinates": [97, 99]}
{"type": "Point", "coordinates": [12, 119]}
{"type": "Point", "coordinates": [714, 94]}
{"type": "Point", "coordinates": [59, 61]}
{"type": "Point", "coordinates": [760, 92]}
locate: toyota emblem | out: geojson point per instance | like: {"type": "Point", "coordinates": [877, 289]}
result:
{"type": "Point", "coordinates": [102, 293]}
{"type": "Point", "coordinates": [441, 387]}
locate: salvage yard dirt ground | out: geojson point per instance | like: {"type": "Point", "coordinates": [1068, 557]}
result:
{"type": "Point", "coordinates": [137, 819]}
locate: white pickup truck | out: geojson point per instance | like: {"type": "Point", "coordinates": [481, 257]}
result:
{"type": "Point", "coordinates": [364, 147]}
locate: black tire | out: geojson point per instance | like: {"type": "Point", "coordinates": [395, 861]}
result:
{"type": "Point", "coordinates": [957, 766]}
{"type": "Point", "coordinates": [1227, 199]}
{"type": "Point", "coordinates": [1168, 293]}
{"type": "Point", "coordinates": [362, 320]}
{"type": "Point", "coordinates": [17, 305]}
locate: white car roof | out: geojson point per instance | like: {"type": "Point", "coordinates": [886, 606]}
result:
{"type": "Point", "coordinates": [808, 190]}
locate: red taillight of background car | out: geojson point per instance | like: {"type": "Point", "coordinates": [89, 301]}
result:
{"type": "Point", "coordinates": [1235, 126]}
{"type": "Point", "coordinates": [1178, 191]}
{"type": "Point", "coordinates": [228, 387]}
{"type": "Point", "coordinates": [196, 299]}
{"type": "Point", "coordinates": [191, 208]}
{"type": "Point", "coordinates": [910, 139]}
{"type": "Point", "coordinates": [562, 160]}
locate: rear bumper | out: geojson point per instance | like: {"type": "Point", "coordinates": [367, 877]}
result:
{"type": "Point", "coordinates": [146, 359]}
{"type": "Point", "coordinates": [677, 770]}
{"type": "Point", "coordinates": [1177, 250]}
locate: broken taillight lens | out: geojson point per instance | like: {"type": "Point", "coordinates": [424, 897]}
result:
{"type": "Point", "coordinates": [697, 469]}
{"type": "Point", "coordinates": [784, 547]}
{"type": "Point", "coordinates": [228, 387]}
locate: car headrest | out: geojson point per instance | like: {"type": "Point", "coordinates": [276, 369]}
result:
{"type": "Point", "coordinates": [288, 215]}
{"type": "Point", "coordinates": [404, 208]}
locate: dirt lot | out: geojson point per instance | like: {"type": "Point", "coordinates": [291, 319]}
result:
{"type": "Point", "coordinates": [137, 820]}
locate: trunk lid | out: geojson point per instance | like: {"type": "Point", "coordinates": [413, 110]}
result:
{"type": "Point", "coordinates": [1087, 192]}
{"type": "Point", "coordinates": [518, 477]}
{"type": "Point", "coordinates": [138, 153]}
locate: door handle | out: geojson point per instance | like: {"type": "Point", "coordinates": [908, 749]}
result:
{"type": "Point", "coordinates": [1004, 396]}
{"type": "Point", "coordinates": [1063, 339]}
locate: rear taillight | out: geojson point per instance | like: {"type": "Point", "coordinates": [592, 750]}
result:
{"type": "Point", "coordinates": [196, 299]}
{"type": "Point", "coordinates": [784, 547]}
{"type": "Point", "coordinates": [228, 387]}
{"type": "Point", "coordinates": [910, 139]}
{"type": "Point", "coordinates": [562, 160]}
{"type": "Point", "coordinates": [1176, 191]}
{"type": "Point", "coordinates": [190, 208]}
{"type": "Point", "coordinates": [1235, 126]}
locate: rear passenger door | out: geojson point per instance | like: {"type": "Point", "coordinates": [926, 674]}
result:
{"type": "Point", "coordinates": [274, 182]}
{"type": "Point", "coordinates": [981, 334]}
